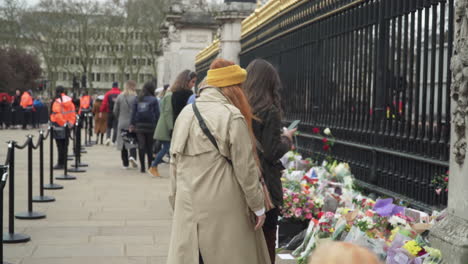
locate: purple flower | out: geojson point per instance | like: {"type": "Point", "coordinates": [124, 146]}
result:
{"type": "Point", "coordinates": [385, 207]}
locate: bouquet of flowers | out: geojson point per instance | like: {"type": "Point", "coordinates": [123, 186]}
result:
{"type": "Point", "coordinates": [441, 182]}
{"type": "Point", "coordinates": [297, 205]}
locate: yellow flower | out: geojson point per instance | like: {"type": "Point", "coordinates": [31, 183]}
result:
{"type": "Point", "coordinates": [332, 230]}
{"type": "Point", "coordinates": [412, 247]}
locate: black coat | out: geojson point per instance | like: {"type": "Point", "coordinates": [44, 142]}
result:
{"type": "Point", "coordinates": [273, 146]}
{"type": "Point", "coordinates": [179, 101]}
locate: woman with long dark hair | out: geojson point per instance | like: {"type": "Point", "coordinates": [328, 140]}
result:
{"type": "Point", "coordinates": [262, 88]}
{"type": "Point", "coordinates": [62, 114]}
{"type": "Point", "coordinates": [171, 106]}
{"type": "Point", "coordinates": [216, 193]}
{"type": "Point", "coordinates": [145, 115]}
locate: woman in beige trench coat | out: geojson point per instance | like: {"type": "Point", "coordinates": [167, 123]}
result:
{"type": "Point", "coordinates": [216, 205]}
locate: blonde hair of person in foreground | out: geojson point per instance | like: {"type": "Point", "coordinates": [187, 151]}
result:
{"type": "Point", "coordinates": [342, 253]}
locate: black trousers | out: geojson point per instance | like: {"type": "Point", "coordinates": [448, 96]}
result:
{"type": "Point", "coordinates": [62, 149]}
{"type": "Point", "coordinates": [124, 155]}
{"type": "Point", "coordinates": [145, 147]}
{"type": "Point", "coordinates": [112, 126]}
{"type": "Point", "coordinates": [27, 119]}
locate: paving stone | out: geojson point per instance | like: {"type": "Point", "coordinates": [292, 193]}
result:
{"type": "Point", "coordinates": [147, 250]}
{"type": "Point", "coordinates": [90, 260]}
{"type": "Point", "coordinates": [122, 240]}
{"type": "Point", "coordinates": [82, 250]}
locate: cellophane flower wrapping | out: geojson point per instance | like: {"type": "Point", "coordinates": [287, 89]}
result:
{"type": "Point", "coordinates": [308, 236]}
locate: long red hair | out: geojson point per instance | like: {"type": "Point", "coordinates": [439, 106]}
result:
{"type": "Point", "coordinates": [235, 94]}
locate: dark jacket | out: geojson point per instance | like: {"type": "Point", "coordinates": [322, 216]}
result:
{"type": "Point", "coordinates": [145, 114]}
{"type": "Point", "coordinates": [179, 101]}
{"type": "Point", "coordinates": [272, 147]}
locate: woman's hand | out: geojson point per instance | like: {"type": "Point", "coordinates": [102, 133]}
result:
{"type": "Point", "coordinates": [260, 220]}
{"type": "Point", "coordinates": [289, 133]}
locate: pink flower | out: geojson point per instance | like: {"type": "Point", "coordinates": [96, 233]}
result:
{"type": "Point", "coordinates": [446, 190]}
{"type": "Point", "coordinates": [316, 130]}
{"type": "Point", "coordinates": [329, 214]}
{"type": "Point", "coordinates": [325, 140]}
{"type": "Point", "coordinates": [308, 216]}
{"type": "Point", "coordinates": [446, 179]}
{"type": "Point", "coordinates": [307, 210]}
{"type": "Point", "coordinates": [326, 147]}
{"type": "Point", "coordinates": [298, 212]}
{"type": "Point", "coordinates": [438, 191]}
{"type": "Point", "coordinates": [296, 200]}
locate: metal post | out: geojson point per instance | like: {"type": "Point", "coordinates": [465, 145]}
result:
{"type": "Point", "coordinates": [11, 236]}
{"type": "Point", "coordinates": [30, 214]}
{"type": "Point", "coordinates": [41, 198]}
{"type": "Point", "coordinates": [52, 185]}
{"type": "Point", "coordinates": [4, 174]}
{"type": "Point", "coordinates": [65, 175]}
{"type": "Point", "coordinates": [77, 149]}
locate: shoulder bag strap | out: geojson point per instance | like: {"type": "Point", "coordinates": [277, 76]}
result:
{"type": "Point", "coordinates": [205, 129]}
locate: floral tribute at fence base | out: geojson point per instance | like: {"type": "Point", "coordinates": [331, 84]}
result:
{"type": "Point", "coordinates": [323, 204]}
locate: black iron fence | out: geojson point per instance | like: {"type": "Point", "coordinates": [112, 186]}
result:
{"type": "Point", "coordinates": [377, 73]}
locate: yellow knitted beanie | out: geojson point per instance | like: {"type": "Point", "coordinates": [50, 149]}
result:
{"type": "Point", "coordinates": [226, 76]}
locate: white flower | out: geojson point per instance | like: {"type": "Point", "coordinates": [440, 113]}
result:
{"type": "Point", "coordinates": [327, 131]}
{"type": "Point", "coordinates": [396, 221]}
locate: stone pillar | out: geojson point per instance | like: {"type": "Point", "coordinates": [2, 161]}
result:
{"type": "Point", "coordinates": [188, 29]}
{"type": "Point", "coordinates": [230, 21]}
{"type": "Point", "coordinates": [451, 234]}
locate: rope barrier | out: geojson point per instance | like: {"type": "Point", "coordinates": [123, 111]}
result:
{"type": "Point", "coordinates": [47, 135]}
{"type": "Point", "coordinates": [38, 142]}
{"type": "Point", "coordinates": [25, 143]}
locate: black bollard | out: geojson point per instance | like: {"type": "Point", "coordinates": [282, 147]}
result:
{"type": "Point", "coordinates": [78, 155]}
{"type": "Point", "coordinates": [42, 198]}
{"type": "Point", "coordinates": [52, 185]}
{"type": "Point", "coordinates": [77, 149]}
{"type": "Point", "coordinates": [3, 179]}
{"type": "Point", "coordinates": [65, 175]}
{"type": "Point", "coordinates": [30, 214]}
{"type": "Point", "coordinates": [90, 130]}
{"type": "Point", "coordinates": [12, 237]}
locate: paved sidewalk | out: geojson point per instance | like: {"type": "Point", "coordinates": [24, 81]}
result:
{"type": "Point", "coordinates": [108, 215]}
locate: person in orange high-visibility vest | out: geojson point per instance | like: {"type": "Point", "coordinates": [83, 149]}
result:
{"type": "Point", "coordinates": [27, 105]}
{"type": "Point", "coordinates": [85, 103]}
{"type": "Point", "coordinates": [62, 114]}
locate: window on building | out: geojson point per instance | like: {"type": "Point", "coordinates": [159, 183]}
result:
{"type": "Point", "coordinates": [93, 77]}
{"type": "Point", "coordinates": [98, 77]}
{"type": "Point", "coordinates": [134, 61]}
{"type": "Point", "coordinates": [100, 61]}
{"type": "Point", "coordinates": [142, 78]}
{"type": "Point", "coordinates": [112, 77]}
{"type": "Point", "coordinates": [106, 77]}
{"type": "Point", "coordinates": [150, 62]}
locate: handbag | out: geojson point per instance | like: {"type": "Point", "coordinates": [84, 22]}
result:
{"type": "Point", "coordinates": [128, 137]}
{"type": "Point", "coordinates": [59, 133]}
{"type": "Point", "coordinates": [266, 194]}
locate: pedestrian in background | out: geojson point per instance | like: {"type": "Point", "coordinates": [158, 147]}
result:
{"type": "Point", "coordinates": [123, 113]}
{"type": "Point", "coordinates": [216, 193]}
{"type": "Point", "coordinates": [108, 107]}
{"type": "Point", "coordinates": [100, 119]}
{"type": "Point", "coordinates": [5, 111]}
{"type": "Point", "coordinates": [145, 115]}
{"type": "Point", "coordinates": [17, 112]}
{"type": "Point", "coordinates": [262, 88]}
{"type": "Point", "coordinates": [38, 107]}
{"type": "Point", "coordinates": [27, 106]}
{"type": "Point", "coordinates": [171, 106]}
{"type": "Point", "coordinates": [62, 114]}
